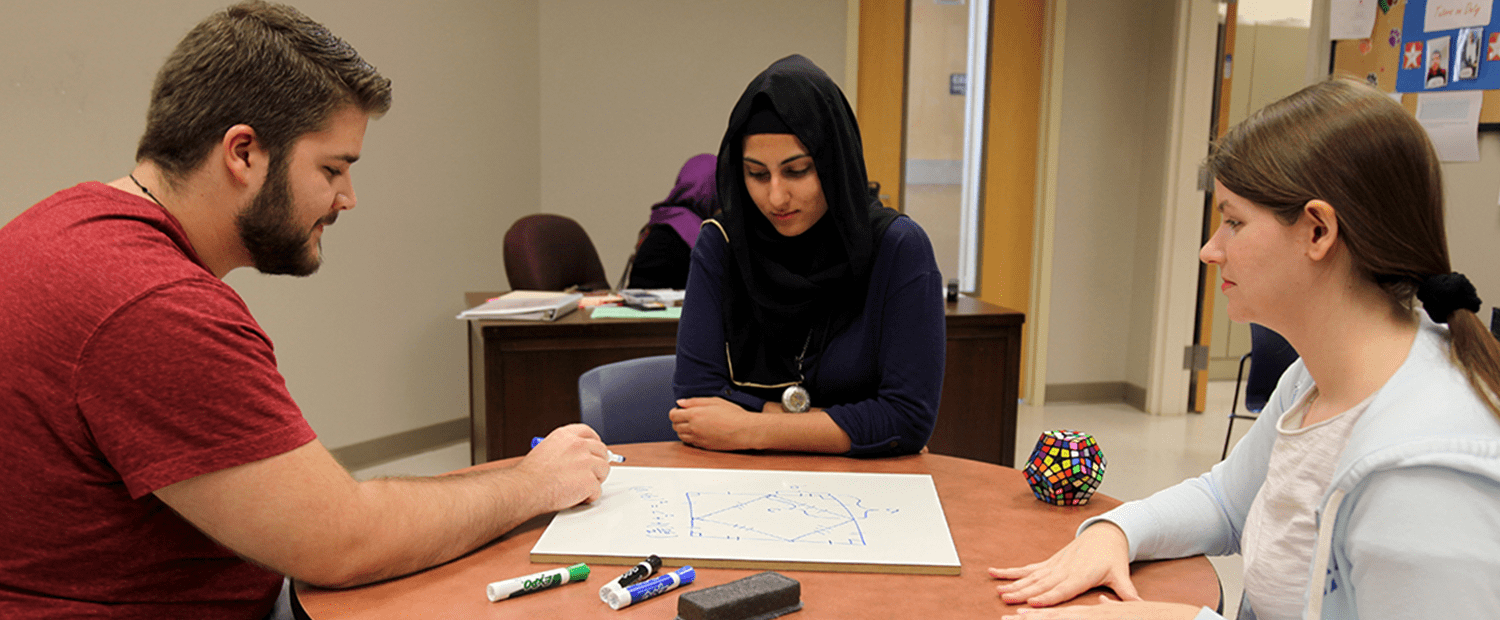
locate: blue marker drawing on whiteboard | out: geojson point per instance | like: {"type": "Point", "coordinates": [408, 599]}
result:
{"type": "Point", "coordinates": [663, 517]}
{"type": "Point", "coordinates": [697, 515]}
{"type": "Point", "coordinates": [785, 516]}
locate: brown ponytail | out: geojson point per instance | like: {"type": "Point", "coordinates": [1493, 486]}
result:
{"type": "Point", "coordinates": [1477, 352]}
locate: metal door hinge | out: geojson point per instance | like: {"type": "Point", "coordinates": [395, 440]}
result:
{"type": "Point", "coordinates": [1195, 357]}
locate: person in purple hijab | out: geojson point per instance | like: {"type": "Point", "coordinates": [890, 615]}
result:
{"type": "Point", "coordinates": [665, 246]}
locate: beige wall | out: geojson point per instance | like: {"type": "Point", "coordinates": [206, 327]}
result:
{"type": "Point", "coordinates": [501, 109]}
{"type": "Point", "coordinates": [1472, 194]}
{"type": "Point", "coordinates": [1111, 154]}
{"type": "Point", "coordinates": [1269, 63]}
{"type": "Point", "coordinates": [630, 90]}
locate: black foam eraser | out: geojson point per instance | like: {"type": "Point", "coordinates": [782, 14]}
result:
{"type": "Point", "coordinates": [758, 597]}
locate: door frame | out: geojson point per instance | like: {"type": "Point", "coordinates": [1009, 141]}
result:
{"type": "Point", "coordinates": [1195, 50]}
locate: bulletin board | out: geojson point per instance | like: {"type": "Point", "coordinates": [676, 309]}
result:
{"type": "Point", "coordinates": [1398, 57]}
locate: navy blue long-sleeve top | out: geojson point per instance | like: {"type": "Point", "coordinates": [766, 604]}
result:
{"type": "Point", "coordinates": [879, 379]}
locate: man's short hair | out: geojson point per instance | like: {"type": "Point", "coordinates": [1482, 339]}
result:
{"type": "Point", "coordinates": [259, 64]}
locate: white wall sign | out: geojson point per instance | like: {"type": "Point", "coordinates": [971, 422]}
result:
{"type": "Point", "coordinates": [1451, 14]}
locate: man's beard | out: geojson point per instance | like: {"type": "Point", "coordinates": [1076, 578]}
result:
{"type": "Point", "coordinates": [267, 228]}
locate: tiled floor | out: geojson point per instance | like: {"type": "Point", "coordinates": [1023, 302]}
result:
{"type": "Point", "coordinates": [1145, 453]}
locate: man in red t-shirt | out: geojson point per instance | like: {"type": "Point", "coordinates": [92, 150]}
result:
{"type": "Point", "coordinates": [155, 465]}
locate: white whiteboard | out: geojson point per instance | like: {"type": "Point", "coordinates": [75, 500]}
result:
{"type": "Point", "coordinates": [737, 518]}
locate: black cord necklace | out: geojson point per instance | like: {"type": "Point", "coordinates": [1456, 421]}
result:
{"type": "Point", "coordinates": [795, 399]}
{"type": "Point", "coordinates": [148, 192]}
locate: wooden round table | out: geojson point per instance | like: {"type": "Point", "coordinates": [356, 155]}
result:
{"type": "Point", "coordinates": [991, 513]}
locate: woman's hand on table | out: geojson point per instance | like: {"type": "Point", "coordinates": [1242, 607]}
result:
{"type": "Point", "coordinates": [1097, 557]}
{"type": "Point", "coordinates": [713, 423]}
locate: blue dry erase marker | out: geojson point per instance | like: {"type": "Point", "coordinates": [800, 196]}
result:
{"type": "Point", "coordinates": [652, 587]}
{"type": "Point", "coordinates": [501, 590]}
{"type": "Point", "coordinates": [613, 458]}
{"type": "Point", "coordinates": [645, 569]}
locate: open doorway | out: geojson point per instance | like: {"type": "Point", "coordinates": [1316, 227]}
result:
{"type": "Point", "coordinates": [944, 131]}
{"type": "Point", "coordinates": [1263, 58]}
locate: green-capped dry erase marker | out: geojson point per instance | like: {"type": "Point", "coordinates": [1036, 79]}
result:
{"type": "Point", "coordinates": [501, 590]}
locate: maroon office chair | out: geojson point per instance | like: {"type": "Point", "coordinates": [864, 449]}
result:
{"type": "Point", "coordinates": [546, 252]}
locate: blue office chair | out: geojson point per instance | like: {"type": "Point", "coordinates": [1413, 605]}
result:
{"type": "Point", "coordinates": [627, 402]}
{"type": "Point", "coordinates": [1269, 356]}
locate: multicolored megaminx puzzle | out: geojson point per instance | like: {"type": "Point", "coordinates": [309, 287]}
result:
{"type": "Point", "coordinates": [1066, 468]}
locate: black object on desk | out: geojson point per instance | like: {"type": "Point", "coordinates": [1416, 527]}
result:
{"type": "Point", "coordinates": [762, 595]}
{"type": "Point", "coordinates": [642, 300]}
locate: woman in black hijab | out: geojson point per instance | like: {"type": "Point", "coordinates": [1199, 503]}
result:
{"type": "Point", "coordinates": [814, 315]}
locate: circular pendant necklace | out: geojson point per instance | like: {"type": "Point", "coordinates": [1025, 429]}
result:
{"type": "Point", "coordinates": [795, 399]}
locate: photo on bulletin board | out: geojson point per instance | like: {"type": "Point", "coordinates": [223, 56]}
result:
{"type": "Point", "coordinates": [1467, 60]}
{"type": "Point", "coordinates": [1450, 45]}
{"type": "Point", "coordinates": [1437, 66]}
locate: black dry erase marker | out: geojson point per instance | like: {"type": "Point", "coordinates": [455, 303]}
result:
{"type": "Point", "coordinates": [645, 569]}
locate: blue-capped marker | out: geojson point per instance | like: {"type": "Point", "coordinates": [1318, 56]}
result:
{"type": "Point", "coordinates": [613, 458]}
{"type": "Point", "coordinates": [635, 593]}
{"type": "Point", "coordinates": [646, 568]}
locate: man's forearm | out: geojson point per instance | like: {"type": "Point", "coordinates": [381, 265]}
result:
{"type": "Point", "coordinates": [399, 526]}
{"type": "Point", "coordinates": [301, 514]}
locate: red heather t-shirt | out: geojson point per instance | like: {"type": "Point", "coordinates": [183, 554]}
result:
{"type": "Point", "coordinates": [125, 366]}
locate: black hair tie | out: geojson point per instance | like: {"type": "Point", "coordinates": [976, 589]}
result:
{"type": "Point", "coordinates": [1442, 294]}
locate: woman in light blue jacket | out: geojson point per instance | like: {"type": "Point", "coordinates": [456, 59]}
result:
{"type": "Point", "coordinates": [1370, 485]}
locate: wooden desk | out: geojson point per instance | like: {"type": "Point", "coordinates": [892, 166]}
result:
{"type": "Point", "coordinates": [523, 376]}
{"type": "Point", "coordinates": [991, 513]}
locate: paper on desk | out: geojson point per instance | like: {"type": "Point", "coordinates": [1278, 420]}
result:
{"type": "Point", "coordinates": [525, 306]}
{"type": "Point", "coordinates": [1452, 122]}
{"type": "Point", "coordinates": [611, 312]}
{"type": "Point", "coordinates": [593, 299]}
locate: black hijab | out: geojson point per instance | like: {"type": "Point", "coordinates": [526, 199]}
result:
{"type": "Point", "coordinates": [784, 295]}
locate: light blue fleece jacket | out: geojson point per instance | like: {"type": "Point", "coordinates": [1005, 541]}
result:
{"type": "Point", "coordinates": [1415, 499]}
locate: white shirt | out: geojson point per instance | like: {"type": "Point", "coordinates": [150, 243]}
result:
{"type": "Point", "coordinates": [1281, 530]}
